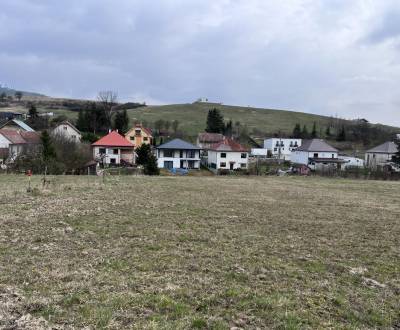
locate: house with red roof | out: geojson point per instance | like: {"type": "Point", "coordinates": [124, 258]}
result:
{"type": "Point", "coordinates": [227, 155]}
{"type": "Point", "coordinates": [14, 143]}
{"type": "Point", "coordinates": [113, 149]}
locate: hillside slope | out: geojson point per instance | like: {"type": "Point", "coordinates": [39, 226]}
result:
{"type": "Point", "coordinates": [192, 117]}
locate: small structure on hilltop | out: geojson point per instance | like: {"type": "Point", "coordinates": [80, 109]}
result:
{"type": "Point", "coordinates": [14, 143]}
{"type": "Point", "coordinates": [317, 155]}
{"type": "Point", "coordinates": [139, 135]}
{"type": "Point", "coordinates": [381, 155]}
{"type": "Point", "coordinates": [17, 125]}
{"type": "Point", "coordinates": [227, 155]}
{"type": "Point", "coordinates": [113, 150]}
{"type": "Point", "coordinates": [178, 154]}
{"type": "Point", "coordinates": [281, 148]}
{"type": "Point", "coordinates": [68, 131]}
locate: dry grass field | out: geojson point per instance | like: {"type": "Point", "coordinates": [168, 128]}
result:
{"type": "Point", "coordinates": [202, 253]}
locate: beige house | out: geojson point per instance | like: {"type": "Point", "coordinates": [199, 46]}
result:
{"type": "Point", "coordinates": [139, 135]}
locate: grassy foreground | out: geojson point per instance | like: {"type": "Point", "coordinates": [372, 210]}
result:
{"type": "Point", "coordinates": [203, 253]}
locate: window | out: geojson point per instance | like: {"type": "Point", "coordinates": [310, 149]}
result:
{"type": "Point", "coordinates": [115, 151]}
{"type": "Point", "coordinates": [243, 155]}
{"type": "Point", "coordinates": [277, 143]}
{"type": "Point", "coordinates": [213, 165]}
{"type": "Point", "coordinates": [65, 128]}
{"type": "Point", "coordinates": [223, 155]}
{"type": "Point", "coordinates": [168, 153]}
{"type": "Point", "coordinates": [243, 165]}
{"type": "Point", "coordinates": [315, 155]}
{"type": "Point", "coordinates": [291, 143]}
{"type": "Point", "coordinates": [295, 144]}
{"type": "Point", "coordinates": [112, 161]}
{"type": "Point", "coordinates": [333, 155]}
{"type": "Point", "coordinates": [222, 164]}
{"type": "Point", "coordinates": [191, 154]}
{"type": "Point", "coordinates": [145, 139]}
{"type": "Point", "coordinates": [102, 150]}
{"type": "Point", "coordinates": [73, 137]}
{"type": "Point", "coordinates": [168, 165]}
{"type": "Point", "coordinates": [132, 138]}
{"type": "Point", "coordinates": [275, 149]}
{"type": "Point", "coordinates": [137, 132]}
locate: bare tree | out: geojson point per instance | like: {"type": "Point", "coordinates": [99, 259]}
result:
{"type": "Point", "coordinates": [108, 101]}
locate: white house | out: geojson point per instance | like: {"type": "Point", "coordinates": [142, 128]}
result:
{"type": "Point", "coordinates": [113, 149]}
{"type": "Point", "coordinates": [316, 154]}
{"type": "Point", "coordinates": [68, 131]}
{"type": "Point", "coordinates": [178, 154]}
{"type": "Point", "coordinates": [281, 148]}
{"type": "Point", "coordinates": [227, 155]}
{"type": "Point", "coordinates": [350, 161]}
{"type": "Point", "coordinates": [380, 155]}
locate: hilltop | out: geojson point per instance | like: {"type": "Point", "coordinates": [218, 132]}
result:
{"type": "Point", "coordinates": [11, 92]}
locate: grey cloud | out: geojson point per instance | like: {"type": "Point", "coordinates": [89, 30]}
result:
{"type": "Point", "coordinates": [297, 54]}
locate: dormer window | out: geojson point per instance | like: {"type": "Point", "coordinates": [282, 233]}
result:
{"type": "Point", "coordinates": [137, 132]}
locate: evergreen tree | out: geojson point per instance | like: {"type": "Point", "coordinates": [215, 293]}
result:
{"type": "Point", "coordinates": [304, 133]}
{"type": "Point", "coordinates": [3, 97]}
{"type": "Point", "coordinates": [32, 111]}
{"type": "Point", "coordinates": [215, 122]}
{"type": "Point", "coordinates": [175, 125]}
{"type": "Point", "coordinates": [328, 132]}
{"type": "Point", "coordinates": [81, 122]}
{"type": "Point", "coordinates": [48, 151]}
{"type": "Point", "coordinates": [143, 152]}
{"type": "Point", "coordinates": [314, 133]}
{"type": "Point", "coordinates": [396, 157]}
{"type": "Point", "coordinates": [297, 132]}
{"type": "Point", "coordinates": [18, 95]}
{"type": "Point", "coordinates": [342, 135]}
{"type": "Point", "coordinates": [121, 122]}
{"type": "Point", "coordinates": [151, 166]}
{"type": "Point", "coordinates": [228, 128]}
{"type": "Point", "coordinates": [161, 141]}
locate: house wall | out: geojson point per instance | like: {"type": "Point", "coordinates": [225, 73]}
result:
{"type": "Point", "coordinates": [287, 145]}
{"type": "Point", "coordinates": [176, 158]}
{"type": "Point", "coordinates": [109, 157]}
{"type": "Point", "coordinates": [352, 161]}
{"type": "Point", "coordinates": [232, 157]}
{"type": "Point", "coordinates": [67, 132]}
{"type": "Point", "coordinates": [301, 157]}
{"type": "Point", "coordinates": [4, 143]}
{"type": "Point", "coordinates": [373, 160]}
{"type": "Point", "coordinates": [138, 138]}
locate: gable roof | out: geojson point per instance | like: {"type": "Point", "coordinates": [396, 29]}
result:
{"type": "Point", "coordinates": [316, 145]}
{"type": "Point", "coordinates": [228, 144]}
{"type": "Point", "coordinates": [147, 130]}
{"type": "Point", "coordinates": [210, 137]}
{"type": "Point", "coordinates": [178, 144]}
{"type": "Point", "coordinates": [384, 148]}
{"type": "Point", "coordinates": [17, 137]}
{"type": "Point", "coordinates": [113, 139]}
{"type": "Point", "coordinates": [66, 122]}
{"type": "Point", "coordinates": [19, 123]}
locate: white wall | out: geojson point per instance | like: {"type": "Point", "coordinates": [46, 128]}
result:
{"type": "Point", "coordinates": [4, 143]}
{"type": "Point", "coordinates": [259, 152]}
{"type": "Point", "coordinates": [67, 132]}
{"type": "Point", "coordinates": [214, 157]}
{"type": "Point", "coordinates": [352, 161]}
{"type": "Point", "coordinates": [176, 158]}
{"type": "Point", "coordinates": [108, 155]}
{"type": "Point", "coordinates": [377, 159]}
{"type": "Point", "coordinates": [301, 157]}
{"type": "Point", "coordinates": [287, 145]}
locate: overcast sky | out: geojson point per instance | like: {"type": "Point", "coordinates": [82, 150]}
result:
{"type": "Point", "coordinates": [321, 56]}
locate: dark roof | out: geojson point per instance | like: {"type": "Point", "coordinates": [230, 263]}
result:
{"type": "Point", "coordinates": [178, 144]}
{"type": "Point", "coordinates": [228, 144]}
{"type": "Point", "coordinates": [316, 145]}
{"type": "Point", "coordinates": [384, 148]}
{"type": "Point", "coordinates": [210, 137]}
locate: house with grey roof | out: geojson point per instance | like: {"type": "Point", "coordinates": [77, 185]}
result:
{"type": "Point", "coordinates": [380, 155]}
{"type": "Point", "coordinates": [17, 125]}
{"type": "Point", "coordinates": [178, 154]}
{"type": "Point", "coordinates": [316, 154]}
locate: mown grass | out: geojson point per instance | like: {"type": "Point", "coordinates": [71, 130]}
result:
{"type": "Point", "coordinates": [203, 252]}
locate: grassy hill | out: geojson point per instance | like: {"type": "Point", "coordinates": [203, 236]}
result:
{"type": "Point", "coordinates": [11, 92]}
